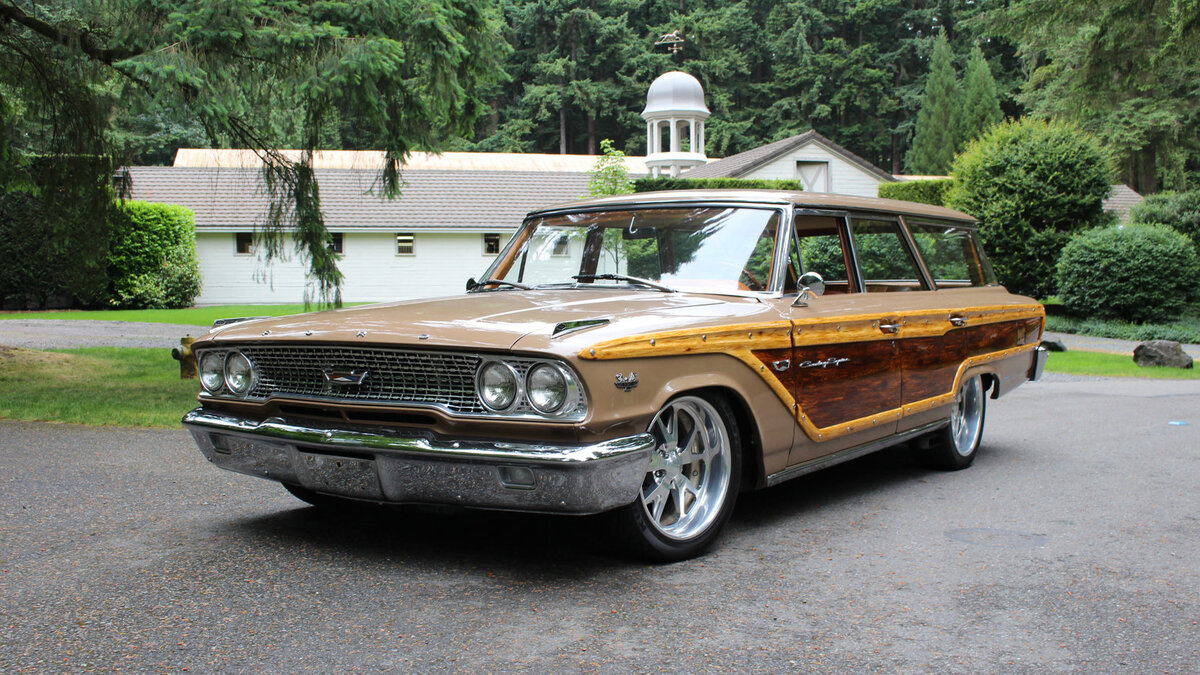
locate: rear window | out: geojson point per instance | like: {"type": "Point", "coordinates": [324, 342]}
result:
{"type": "Point", "coordinates": [952, 254]}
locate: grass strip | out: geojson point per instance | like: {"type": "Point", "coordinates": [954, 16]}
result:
{"type": "Point", "coordinates": [1103, 364]}
{"type": "Point", "coordinates": [192, 316]}
{"type": "Point", "coordinates": [1185, 330]}
{"type": "Point", "coordinates": [119, 386]}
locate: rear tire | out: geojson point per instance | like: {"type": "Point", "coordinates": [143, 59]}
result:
{"type": "Point", "coordinates": [954, 447]}
{"type": "Point", "coordinates": [691, 485]}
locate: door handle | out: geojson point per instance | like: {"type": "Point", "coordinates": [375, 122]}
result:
{"type": "Point", "coordinates": [958, 321]}
{"type": "Point", "coordinates": [890, 328]}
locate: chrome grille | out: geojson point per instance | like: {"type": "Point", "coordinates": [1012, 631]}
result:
{"type": "Point", "coordinates": [443, 379]}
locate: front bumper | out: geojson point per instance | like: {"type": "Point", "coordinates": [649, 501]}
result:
{"type": "Point", "coordinates": [411, 467]}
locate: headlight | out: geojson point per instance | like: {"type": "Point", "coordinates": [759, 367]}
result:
{"type": "Point", "coordinates": [212, 372]}
{"type": "Point", "coordinates": [497, 384]}
{"type": "Point", "coordinates": [239, 375]}
{"type": "Point", "coordinates": [546, 387]}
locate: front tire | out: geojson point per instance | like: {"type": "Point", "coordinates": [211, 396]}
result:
{"type": "Point", "coordinates": [955, 446]}
{"type": "Point", "coordinates": [691, 485]}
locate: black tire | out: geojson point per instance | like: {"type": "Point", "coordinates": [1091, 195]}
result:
{"type": "Point", "coordinates": [688, 492]}
{"type": "Point", "coordinates": [954, 447]}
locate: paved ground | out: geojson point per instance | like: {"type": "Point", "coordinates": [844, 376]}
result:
{"type": "Point", "coordinates": [69, 334]}
{"type": "Point", "coordinates": [1070, 546]}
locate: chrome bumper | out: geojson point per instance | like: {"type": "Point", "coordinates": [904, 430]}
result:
{"type": "Point", "coordinates": [1039, 363]}
{"type": "Point", "coordinates": [408, 467]}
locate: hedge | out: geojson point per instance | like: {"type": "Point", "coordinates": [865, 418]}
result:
{"type": "Point", "coordinates": [921, 191]}
{"type": "Point", "coordinates": [668, 183]}
{"type": "Point", "coordinates": [1031, 184]}
{"type": "Point", "coordinates": [152, 257]}
{"type": "Point", "coordinates": [1134, 273]}
{"type": "Point", "coordinates": [1180, 210]}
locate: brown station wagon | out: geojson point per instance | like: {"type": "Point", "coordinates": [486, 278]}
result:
{"type": "Point", "coordinates": [649, 355]}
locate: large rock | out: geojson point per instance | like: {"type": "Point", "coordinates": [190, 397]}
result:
{"type": "Point", "coordinates": [1161, 353]}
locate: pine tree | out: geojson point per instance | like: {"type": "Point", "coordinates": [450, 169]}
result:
{"type": "Point", "coordinates": [981, 105]}
{"type": "Point", "coordinates": [938, 123]}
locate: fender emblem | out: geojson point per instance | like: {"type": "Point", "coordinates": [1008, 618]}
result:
{"type": "Point", "coordinates": [626, 382]}
{"type": "Point", "coordinates": [824, 363]}
{"type": "Point", "coordinates": [345, 378]}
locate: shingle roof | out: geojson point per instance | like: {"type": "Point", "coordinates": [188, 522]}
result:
{"type": "Point", "coordinates": [371, 160]}
{"type": "Point", "coordinates": [1120, 200]}
{"type": "Point", "coordinates": [744, 162]}
{"type": "Point", "coordinates": [429, 199]}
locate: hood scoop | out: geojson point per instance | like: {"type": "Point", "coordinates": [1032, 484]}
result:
{"type": "Point", "coordinates": [567, 327]}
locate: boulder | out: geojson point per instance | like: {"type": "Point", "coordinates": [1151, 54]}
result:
{"type": "Point", "coordinates": [1054, 345]}
{"type": "Point", "coordinates": [1161, 353]}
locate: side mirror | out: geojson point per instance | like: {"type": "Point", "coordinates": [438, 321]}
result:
{"type": "Point", "coordinates": [472, 284]}
{"type": "Point", "coordinates": [811, 286]}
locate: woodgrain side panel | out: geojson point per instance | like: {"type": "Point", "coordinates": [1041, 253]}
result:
{"type": "Point", "coordinates": [840, 383]}
{"type": "Point", "coordinates": [931, 363]}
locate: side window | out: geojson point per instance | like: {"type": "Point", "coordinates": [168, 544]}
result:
{"type": "Point", "coordinates": [952, 255]}
{"type": "Point", "coordinates": [818, 248]}
{"type": "Point", "coordinates": [883, 258]}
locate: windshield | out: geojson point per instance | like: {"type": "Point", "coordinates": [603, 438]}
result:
{"type": "Point", "coordinates": [708, 249]}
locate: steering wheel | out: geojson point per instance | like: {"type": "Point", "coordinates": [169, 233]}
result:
{"type": "Point", "coordinates": [755, 284]}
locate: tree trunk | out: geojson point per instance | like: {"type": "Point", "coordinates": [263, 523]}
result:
{"type": "Point", "coordinates": [1143, 171]}
{"type": "Point", "coordinates": [591, 133]}
{"type": "Point", "coordinates": [562, 129]}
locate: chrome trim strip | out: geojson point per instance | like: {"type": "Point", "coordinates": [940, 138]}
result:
{"type": "Point", "coordinates": [851, 453]}
{"type": "Point", "coordinates": [388, 440]}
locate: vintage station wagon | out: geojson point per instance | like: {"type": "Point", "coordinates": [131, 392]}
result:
{"type": "Point", "coordinates": [649, 356]}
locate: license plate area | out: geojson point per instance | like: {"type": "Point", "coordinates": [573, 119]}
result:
{"type": "Point", "coordinates": [340, 475]}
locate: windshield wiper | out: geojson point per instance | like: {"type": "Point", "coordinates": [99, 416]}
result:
{"type": "Point", "coordinates": [624, 277]}
{"type": "Point", "coordinates": [500, 282]}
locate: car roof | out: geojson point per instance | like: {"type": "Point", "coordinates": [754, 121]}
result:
{"type": "Point", "coordinates": [815, 200]}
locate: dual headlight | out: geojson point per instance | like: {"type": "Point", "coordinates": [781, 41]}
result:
{"type": "Point", "coordinates": [229, 371]}
{"type": "Point", "coordinates": [547, 388]}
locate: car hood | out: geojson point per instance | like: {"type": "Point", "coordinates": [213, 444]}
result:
{"type": "Point", "coordinates": [485, 320]}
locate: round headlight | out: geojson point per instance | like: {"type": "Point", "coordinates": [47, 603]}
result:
{"type": "Point", "coordinates": [239, 375]}
{"type": "Point", "coordinates": [546, 387]}
{"type": "Point", "coordinates": [212, 372]}
{"type": "Point", "coordinates": [497, 385]}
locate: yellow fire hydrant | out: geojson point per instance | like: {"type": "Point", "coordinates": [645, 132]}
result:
{"type": "Point", "coordinates": [186, 358]}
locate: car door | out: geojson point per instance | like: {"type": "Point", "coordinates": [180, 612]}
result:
{"type": "Point", "coordinates": [845, 365]}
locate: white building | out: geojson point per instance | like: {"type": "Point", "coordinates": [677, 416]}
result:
{"type": "Point", "coordinates": [456, 209]}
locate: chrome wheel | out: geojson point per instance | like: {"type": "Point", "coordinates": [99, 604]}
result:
{"type": "Point", "coordinates": [966, 420]}
{"type": "Point", "coordinates": [688, 480]}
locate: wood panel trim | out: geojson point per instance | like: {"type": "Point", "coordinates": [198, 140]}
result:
{"type": "Point", "coordinates": [740, 341]}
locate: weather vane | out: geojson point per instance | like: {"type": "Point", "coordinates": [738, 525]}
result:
{"type": "Point", "coordinates": [673, 41]}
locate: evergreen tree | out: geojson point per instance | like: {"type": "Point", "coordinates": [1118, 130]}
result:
{"type": "Point", "coordinates": [259, 74]}
{"type": "Point", "coordinates": [981, 104]}
{"type": "Point", "coordinates": [938, 123]}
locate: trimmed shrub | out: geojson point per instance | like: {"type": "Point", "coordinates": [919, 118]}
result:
{"type": "Point", "coordinates": [1031, 183]}
{"type": "Point", "coordinates": [1135, 273]}
{"type": "Point", "coordinates": [921, 191]}
{"type": "Point", "coordinates": [668, 183]}
{"type": "Point", "coordinates": [152, 257]}
{"type": "Point", "coordinates": [1180, 210]}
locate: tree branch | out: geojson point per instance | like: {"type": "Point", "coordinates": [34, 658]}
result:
{"type": "Point", "coordinates": [84, 42]}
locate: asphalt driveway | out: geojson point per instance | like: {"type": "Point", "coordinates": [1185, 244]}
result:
{"type": "Point", "coordinates": [1070, 546]}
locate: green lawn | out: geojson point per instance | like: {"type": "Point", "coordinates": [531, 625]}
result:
{"type": "Point", "coordinates": [117, 386]}
{"type": "Point", "coordinates": [1112, 365]}
{"type": "Point", "coordinates": [195, 316]}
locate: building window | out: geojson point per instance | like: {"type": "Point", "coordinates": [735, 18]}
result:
{"type": "Point", "coordinates": [405, 244]}
{"type": "Point", "coordinates": [244, 243]}
{"type": "Point", "coordinates": [562, 245]}
{"type": "Point", "coordinates": [336, 244]}
{"type": "Point", "coordinates": [491, 244]}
